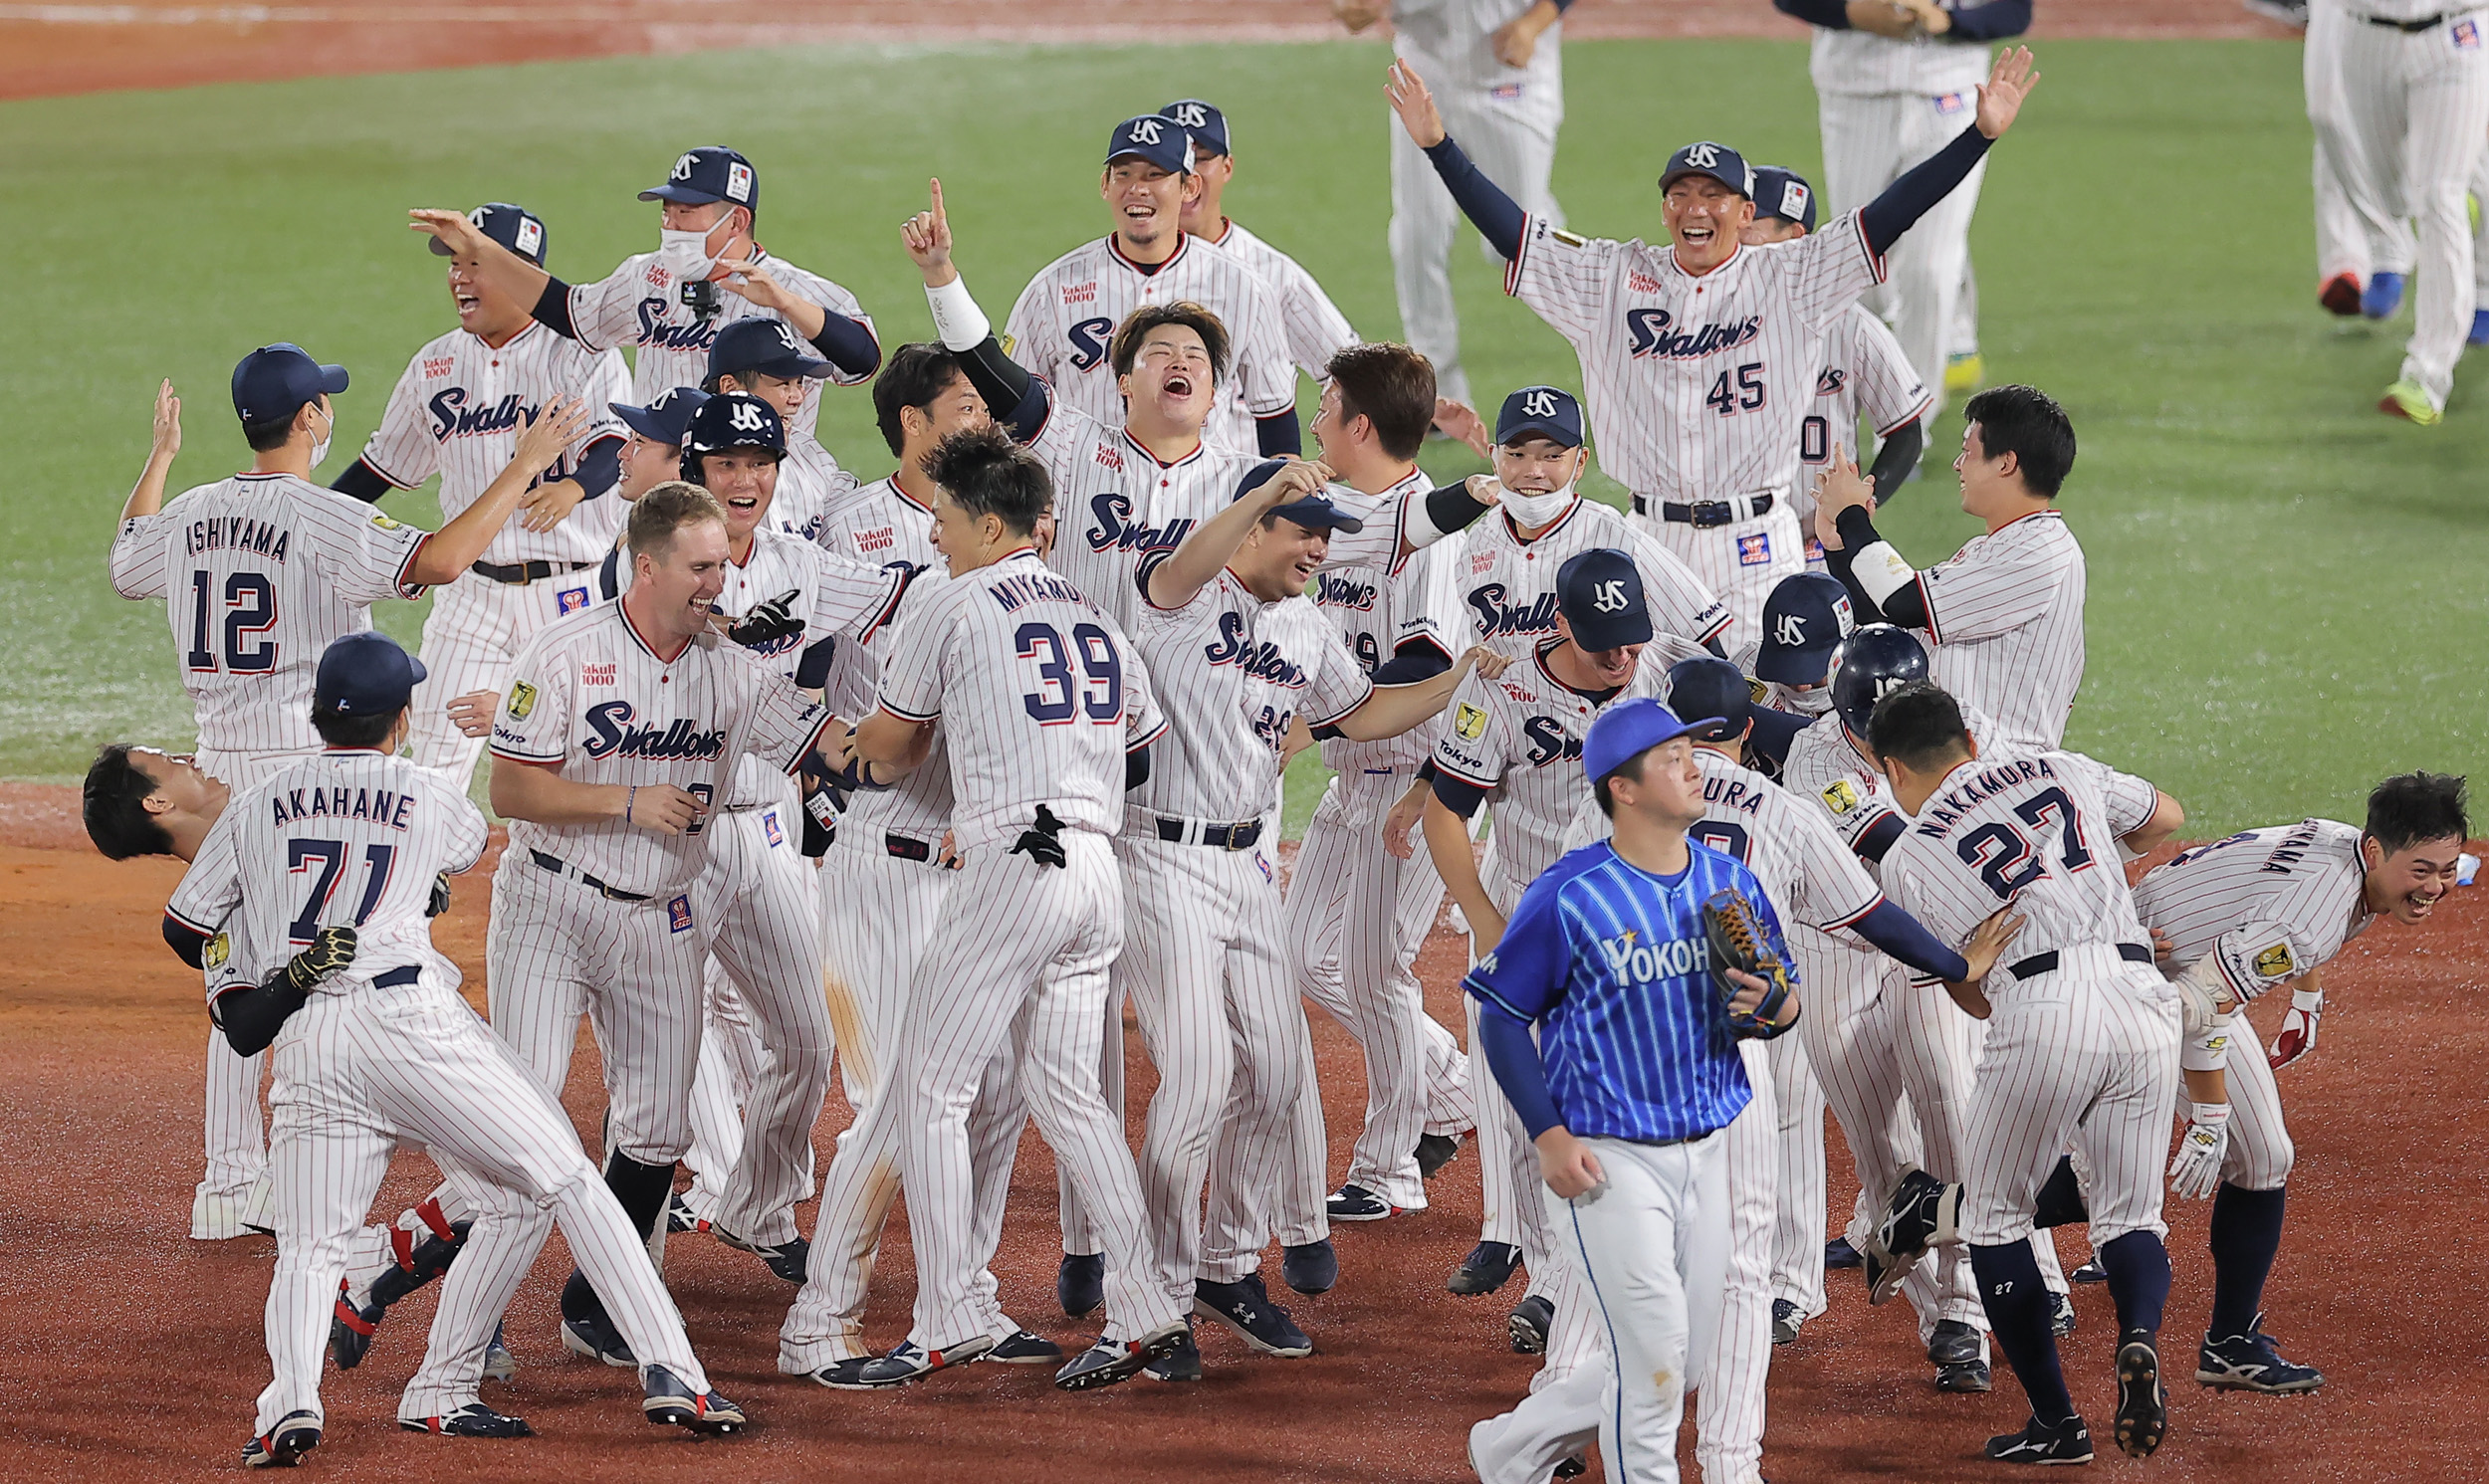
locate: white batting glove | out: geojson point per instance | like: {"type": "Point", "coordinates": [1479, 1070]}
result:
{"type": "Point", "coordinates": [2298, 1036]}
{"type": "Point", "coordinates": [2195, 1172]}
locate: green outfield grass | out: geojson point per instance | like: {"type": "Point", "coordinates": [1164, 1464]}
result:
{"type": "Point", "coordinates": [2287, 594]}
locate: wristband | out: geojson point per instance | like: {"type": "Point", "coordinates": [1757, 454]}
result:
{"type": "Point", "coordinates": [1881, 571]}
{"type": "Point", "coordinates": [958, 322]}
{"type": "Point", "coordinates": [2208, 1115]}
{"type": "Point", "coordinates": [2208, 1050]}
{"type": "Point", "coordinates": [631, 803]}
{"type": "Point", "coordinates": [2307, 1002]}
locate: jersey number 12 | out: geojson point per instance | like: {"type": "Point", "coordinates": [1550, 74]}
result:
{"type": "Point", "coordinates": [251, 609]}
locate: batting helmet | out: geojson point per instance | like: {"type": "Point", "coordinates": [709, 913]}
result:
{"type": "Point", "coordinates": [732, 419]}
{"type": "Point", "coordinates": [1870, 664]}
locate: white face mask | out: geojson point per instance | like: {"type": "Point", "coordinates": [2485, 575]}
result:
{"type": "Point", "coordinates": [1808, 703]}
{"type": "Point", "coordinates": [1534, 510]}
{"type": "Point", "coordinates": [319, 448]}
{"type": "Point", "coordinates": [687, 254]}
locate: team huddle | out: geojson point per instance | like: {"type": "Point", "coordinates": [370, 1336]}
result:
{"type": "Point", "coordinates": [922, 780]}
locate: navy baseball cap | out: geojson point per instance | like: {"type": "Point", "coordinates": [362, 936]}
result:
{"type": "Point", "coordinates": [734, 419]}
{"type": "Point", "coordinates": [1153, 138]}
{"type": "Point", "coordinates": [1782, 192]}
{"type": "Point", "coordinates": [272, 383]}
{"type": "Point", "coordinates": [766, 345]}
{"type": "Point", "coordinates": [709, 173]}
{"type": "Point", "coordinates": [1540, 412]}
{"type": "Point", "coordinates": [1313, 511]}
{"type": "Point", "coordinates": [1705, 686]}
{"type": "Point", "coordinates": [1805, 618]}
{"type": "Point", "coordinates": [1719, 162]}
{"type": "Point", "coordinates": [365, 675]}
{"type": "Point", "coordinates": [1599, 592]}
{"type": "Point", "coordinates": [666, 416]}
{"type": "Point", "coordinates": [1628, 729]}
{"type": "Point", "coordinates": [514, 227]}
{"type": "Point", "coordinates": [1203, 122]}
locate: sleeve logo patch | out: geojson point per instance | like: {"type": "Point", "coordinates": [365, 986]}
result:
{"type": "Point", "coordinates": [678, 915]}
{"type": "Point", "coordinates": [1569, 238]}
{"type": "Point", "coordinates": [384, 522]}
{"type": "Point", "coordinates": [1467, 722]}
{"type": "Point", "coordinates": [522, 699]}
{"type": "Point", "coordinates": [1760, 692]}
{"type": "Point", "coordinates": [219, 948]}
{"type": "Point", "coordinates": [1841, 797]}
{"type": "Point", "coordinates": [2275, 962]}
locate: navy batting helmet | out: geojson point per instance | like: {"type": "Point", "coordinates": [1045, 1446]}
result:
{"type": "Point", "coordinates": [1870, 663]}
{"type": "Point", "coordinates": [734, 419]}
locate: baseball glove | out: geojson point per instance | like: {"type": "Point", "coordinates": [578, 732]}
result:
{"type": "Point", "coordinates": [331, 949]}
{"type": "Point", "coordinates": [1738, 941]}
{"type": "Point", "coordinates": [768, 622]}
{"type": "Point", "coordinates": [439, 901]}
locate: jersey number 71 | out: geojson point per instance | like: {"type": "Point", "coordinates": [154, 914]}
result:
{"type": "Point", "coordinates": [330, 856]}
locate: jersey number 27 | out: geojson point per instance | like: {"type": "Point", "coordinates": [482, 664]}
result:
{"type": "Point", "coordinates": [2005, 859]}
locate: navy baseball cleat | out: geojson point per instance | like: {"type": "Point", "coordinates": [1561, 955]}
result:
{"type": "Point", "coordinates": [2090, 1272]}
{"type": "Point", "coordinates": [2382, 296]}
{"type": "Point", "coordinates": [1953, 1343]}
{"type": "Point", "coordinates": [847, 1374]}
{"type": "Point", "coordinates": [2060, 1314]}
{"type": "Point", "coordinates": [596, 1339]}
{"type": "Point", "coordinates": [2480, 329]}
{"type": "Point", "coordinates": [1112, 1360]}
{"type": "Point", "coordinates": [1785, 1322]}
{"type": "Point", "coordinates": [1080, 1283]}
{"type": "Point", "coordinates": [283, 1445]}
{"type": "Point", "coordinates": [1245, 1306]}
{"type": "Point", "coordinates": [785, 1259]}
{"type": "Point", "coordinates": [912, 1361]}
{"type": "Point", "coordinates": [668, 1402]}
{"type": "Point", "coordinates": [1528, 1325]}
{"type": "Point", "coordinates": [2143, 1407]}
{"type": "Point", "coordinates": [1923, 1214]}
{"type": "Point", "coordinates": [1838, 1253]}
{"type": "Point", "coordinates": [1487, 1267]}
{"type": "Point", "coordinates": [2252, 1362]}
{"type": "Point", "coordinates": [1311, 1268]}
{"type": "Point", "coordinates": [1023, 1348]}
{"type": "Point", "coordinates": [1357, 1204]}
{"type": "Point", "coordinates": [1435, 1150]}
{"type": "Point", "coordinates": [2068, 1442]}
{"type": "Point", "coordinates": [475, 1420]}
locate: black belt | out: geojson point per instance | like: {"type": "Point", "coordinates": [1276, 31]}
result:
{"type": "Point", "coordinates": [2040, 963]}
{"type": "Point", "coordinates": [560, 867]}
{"type": "Point", "coordinates": [520, 573]}
{"type": "Point", "coordinates": [397, 976]}
{"type": "Point", "coordinates": [1702, 514]}
{"type": "Point", "coordinates": [907, 847]}
{"type": "Point", "coordinates": [2414, 27]}
{"type": "Point", "coordinates": [1217, 836]}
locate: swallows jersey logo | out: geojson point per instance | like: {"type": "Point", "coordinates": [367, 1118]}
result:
{"type": "Point", "coordinates": [1828, 381]}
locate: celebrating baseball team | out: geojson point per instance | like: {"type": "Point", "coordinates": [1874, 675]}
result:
{"type": "Point", "coordinates": [927, 779]}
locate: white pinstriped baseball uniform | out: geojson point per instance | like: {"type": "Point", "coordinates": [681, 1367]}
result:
{"type": "Point", "coordinates": [457, 411]}
{"type": "Point", "coordinates": [1885, 105]}
{"type": "Point", "coordinates": [1356, 914]}
{"type": "Point", "coordinates": [1518, 737]}
{"type": "Point", "coordinates": [1041, 694]}
{"type": "Point", "coordinates": [1205, 960]}
{"type": "Point", "coordinates": [387, 1052]}
{"type": "Point", "coordinates": [1116, 506]}
{"type": "Point", "coordinates": [2355, 232]}
{"type": "Point", "coordinates": [1508, 585]}
{"type": "Point", "coordinates": [257, 574]}
{"type": "Point", "coordinates": [2268, 904]}
{"type": "Point", "coordinates": [2080, 1053]}
{"type": "Point", "coordinates": [1062, 323]}
{"type": "Point", "coordinates": [810, 488]}
{"type": "Point", "coordinates": [758, 899]}
{"type": "Point", "coordinates": [1865, 375]}
{"type": "Point", "coordinates": [2006, 614]}
{"type": "Point", "coordinates": [1313, 325]}
{"type": "Point", "coordinates": [1696, 387]}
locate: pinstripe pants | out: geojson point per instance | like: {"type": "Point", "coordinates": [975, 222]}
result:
{"type": "Point", "coordinates": [357, 1074]}
{"type": "Point", "coordinates": [1507, 1164]}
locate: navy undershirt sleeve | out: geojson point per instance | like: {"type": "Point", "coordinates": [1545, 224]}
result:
{"type": "Point", "coordinates": [848, 344]}
{"type": "Point", "coordinates": [1498, 217]}
{"type": "Point", "coordinates": [1902, 937]}
{"type": "Point", "coordinates": [363, 482]}
{"type": "Point", "coordinates": [1514, 1057]}
{"type": "Point", "coordinates": [1895, 460]}
{"type": "Point", "coordinates": [1994, 21]}
{"type": "Point", "coordinates": [1279, 434]}
{"type": "Point", "coordinates": [600, 468]}
{"type": "Point", "coordinates": [552, 308]}
{"type": "Point", "coordinates": [1833, 15]}
{"type": "Point", "coordinates": [1912, 196]}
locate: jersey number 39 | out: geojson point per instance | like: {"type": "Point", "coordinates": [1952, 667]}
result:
{"type": "Point", "coordinates": [1085, 676]}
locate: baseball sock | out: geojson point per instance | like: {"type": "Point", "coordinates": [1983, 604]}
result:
{"type": "Point", "coordinates": [2060, 1202]}
{"type": "Point", "coordinates": [2139, 1279]}
{"type": "Point", "coordinates": [642, 1190]}
{"type": "Point", "coordinates": [2246, 1232]}
{"type": "Point", "coordinates": [2017, 1309]}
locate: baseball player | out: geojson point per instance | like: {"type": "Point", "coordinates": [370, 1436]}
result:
{"type": "Point", "coordinates": [258, 571]}
{"type": "Point", "coordinates": [457, 411]}
{"type": "Point", "coordinates": [1892, 82]}
{"type": "Point", "coordinates": [653, 451]}
{"type": "Point", "coordinates": [1502, 66]}
{"type": "Point", "coordinates": [1864, 371]}
{"type": "Point", "coordinates": [708, 271]}
{"type": "Point", "coordinates": [2362, 249]}
{"type": "Point", "coordinates": [1633, 1077]}
{"type": "Point", "coordinates": [619, 739]}
{"type": "Point", "coordinates": [1697, 357]}
{"type": "Point", "coordinates": [330, 863]}
{"type": "Point", "coordinates": [1237, 655]}
{"type": "Point", "coordinates": [2415, 85]}
{"type": "Point", "coordinates": [2077, 1055]}
{"type": "Point", "coordinates": [764, 357]}
{"type": "Point", "coordinates": [2005, 612]}
{"type": "Point", "coordinates": [1314, 327]}
{"type": "Point", "coordinates": [1043, 702]}
{"type": "Point", "coordinates": [2246, 914]}
{"type": "Point", "coordinates": [893, 862]}
{"type": "Point", "coordinates": [1062, 326]}
{"type": "Point", "coordinates": [1356, 912]}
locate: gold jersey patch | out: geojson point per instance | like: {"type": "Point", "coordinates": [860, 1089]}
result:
{"type": "Point", "coordinates": [2275, 962]}
{"type": "Point", "coordinates": [218, 949]}
{"type": "Point", "coordinates": [522, 701]}
{"type": "Point", "coordinates": [1569, 238]}
{"type": "Point", "coordinates": [1760, 689]}
{"type": "Point", "coordinates": [1841, 796]}
{"type": "Point", "coordinates": [1467, 722]}
{"type": "Point", "coordinates": [384, 522]}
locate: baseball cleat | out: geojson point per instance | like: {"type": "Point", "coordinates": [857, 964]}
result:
{"type": "Point", "coordinates": [2409, 400]}
{"type": "Point", "coordinates": [499, 1364]}
{"type": "Point", "coordinates": [1573, 1467]}
{"type": "Point", "coordinates": [2143, 1407]}
{"type": "Point", "coordinates": [2252, 1362]}
{"type": "Point", "coordinates": [350, 1328]}
{"type": "Point", "coordinates": [2068, 1442]}
{"type": "Point", "coordinates": [2480, 329]}
{"type": "Point", "coordinates": [678, 1216]}
{"type": "Point", "coordinates": [1080, 1283]}
{"type": "Point", "coordinates": [1528, 1325]}
{"type": "Point", "coordinates": [1487, 1267]}
{"type": "Point", "coordinates": [1963, 371]}
{"type": "Point", "coordinates": [785, 1259]}
{"type": "Point", "coordinates": [1311, 1268]}
{"type": "Point", "coordinates": [1785, 1322]}
{"type": "Point", "coordinates": [668, 1402]}
{"type": "Point", "coordinates": [2090, 1272]}
{"type": "Point", "coordinates": [1357, 1204]}
{"type": "Point", "coordinates": [1968, 1377]}
{"type": "Point", "coordinates": [1245, 1306]}
{"type": "Point", "coordinates": [847, 1374]}
{"type": "Point", "coordinates": [2341, 294]}
{"type": "Point", "coordinates": [1924, 1212]}
{"type": "Point", "coordinates": [2060, 1314]}
{"type": "Point", "coordinates": [1023, 1348]}
{"type": "Point", "coordinates": [475, 1420]}
{"type": "Point", "coordinates": [594, 1338]}
{"type": "Point", "coordinates": [1838, 1253]}
{"type": "Point", "coordinates": [284, 1445]}
{"type": "Point", "coordinates": [2382, 296]}
{"type": "Point", "coordinates": [1112, 1360]}
{"type": "Point", "coordinates": [912, 1361]}
{"type": "Point", "coordinates": [1183, 1362]}
{"type": "Point", "coordinates": [1952, 1342]}
{"type": "Point", "coordinates": [1883, 1274]}
{"type": "Point", "coordinates": [1435, 1150]}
